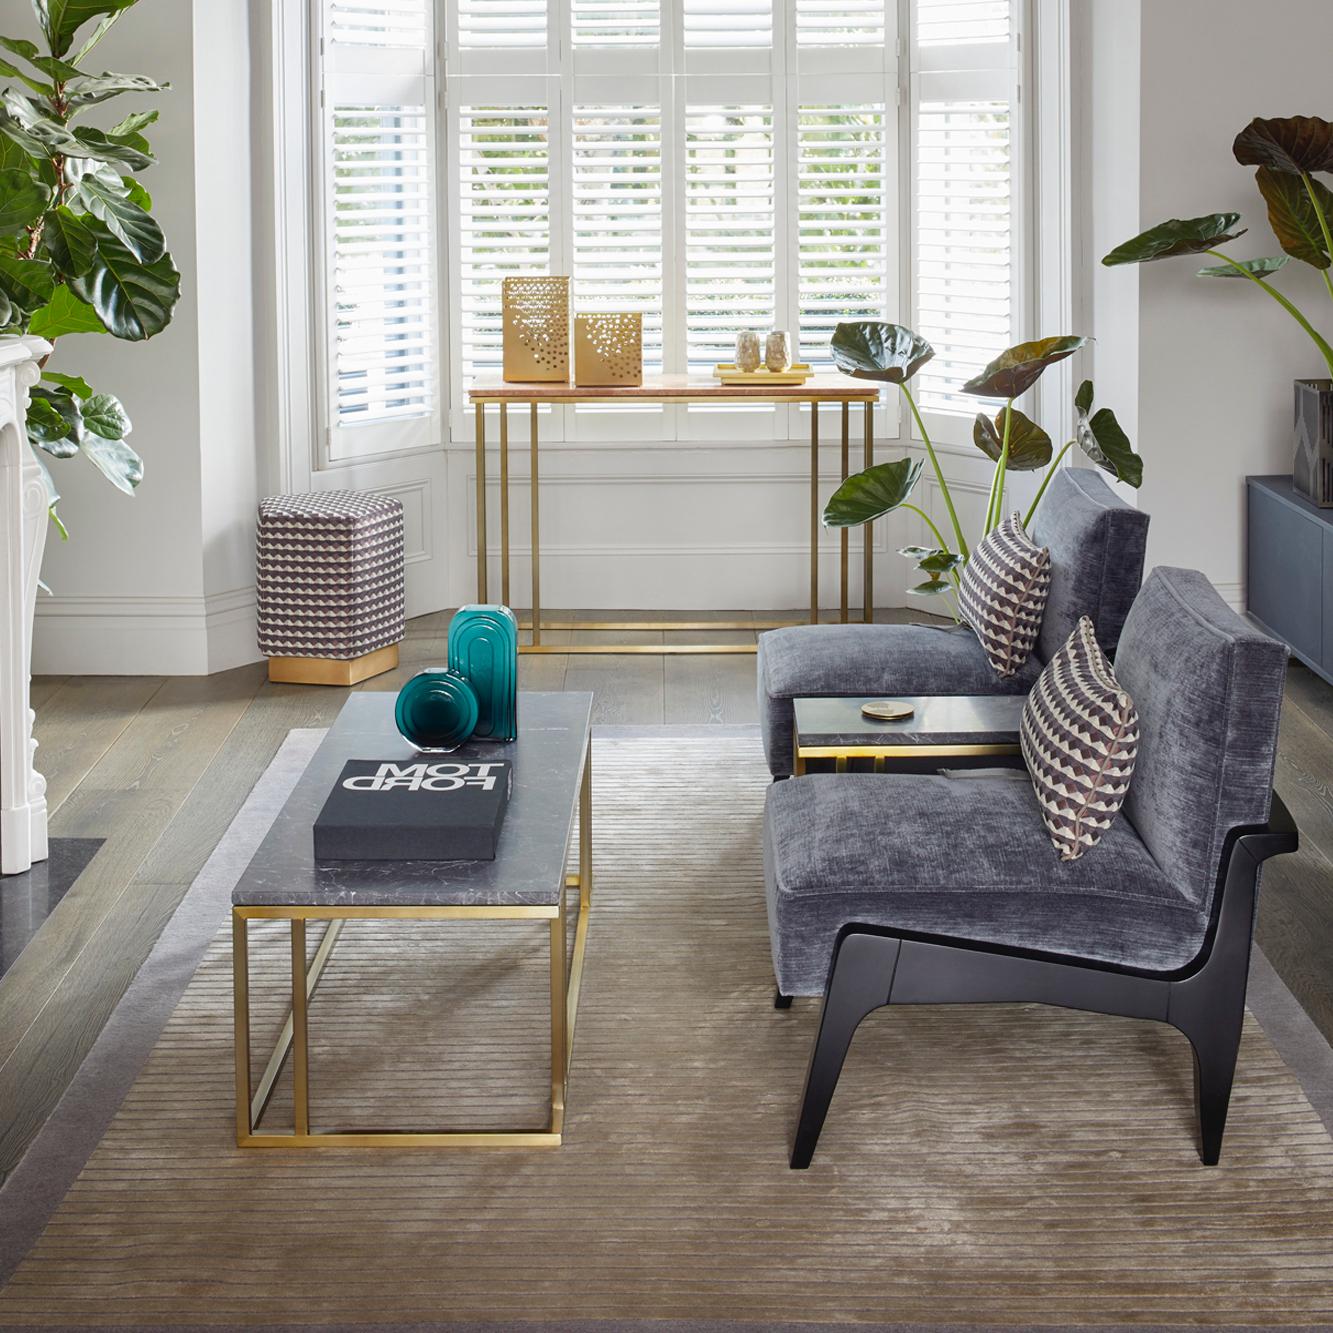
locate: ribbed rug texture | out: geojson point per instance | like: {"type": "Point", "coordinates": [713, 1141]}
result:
{"type": "Point", "coordinates": [998, 1165]}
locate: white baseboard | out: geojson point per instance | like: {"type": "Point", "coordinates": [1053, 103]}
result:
{"type": "Point", "coordinates": [1233, 594]}
{"type": "Point", "coordinates": [145, 636]}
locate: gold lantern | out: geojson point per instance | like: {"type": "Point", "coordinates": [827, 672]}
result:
{"type": "Point", "coordinates": [608, 348]}
{"type": "Point", "coordinates": [536, 329]}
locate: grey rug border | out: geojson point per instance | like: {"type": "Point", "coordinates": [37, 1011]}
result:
{"type": "Point", "coordinates": [34, 1189]}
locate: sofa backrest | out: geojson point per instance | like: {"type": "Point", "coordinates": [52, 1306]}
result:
{"type": "Point", "coordinates": [1208, 687]}
{"type": "Point", "coordinates": [1096, 542]}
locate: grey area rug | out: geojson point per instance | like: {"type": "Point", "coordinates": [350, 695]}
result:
{"type": "Point", "coordinates": [1005, 1167]}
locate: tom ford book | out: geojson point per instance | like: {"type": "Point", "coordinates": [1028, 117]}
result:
{"type": "Point", "coordinates": [414, 811]}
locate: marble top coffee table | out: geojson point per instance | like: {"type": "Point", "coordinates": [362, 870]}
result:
{"type": "Point", "coordinates": [967, 731]}
{"type": "Point", "coordinates": [526, 882]}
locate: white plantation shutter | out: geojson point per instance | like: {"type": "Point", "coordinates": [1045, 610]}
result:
{"type": "Point", "coordinates": [617, 216]}
{"type": "Point", "coordinates": [964, 193]}
{"type": "Point", "coordinates": [730, 229]}
{"type": "Point", "coordinates": [618, 23]}
{"type": "Point", "coordinates": [502, 23]}
{"type": "Point", "coordinates": [840, 22]}
{"type": "Point", "coordinates": [504, 207]}
{"type": "Point", "coordinates": [378, 208]}
{"type": "Point", "coordinates": [728, 23]}
{"type": "Point", "coordinates": [842, 225]}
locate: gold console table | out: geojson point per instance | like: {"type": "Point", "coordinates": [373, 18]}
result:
{"type": "Point", "coordinates": [663, 389]}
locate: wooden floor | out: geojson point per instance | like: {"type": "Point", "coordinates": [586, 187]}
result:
{"type": "Point", "coordinates": [159, 766]}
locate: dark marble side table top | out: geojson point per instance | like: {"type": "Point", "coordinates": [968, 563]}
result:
{"type": "Point", "coordinates": [529, 867]}
{"type": "Point", "coordinates": [940, 725]}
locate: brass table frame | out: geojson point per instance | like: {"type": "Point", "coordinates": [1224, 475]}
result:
{"type": "Point", "coordinates": [566, 979]}
{"type": "Point", "coordinates": [667, 390]}
{"type": "Point", "coordinates": [840, 754]}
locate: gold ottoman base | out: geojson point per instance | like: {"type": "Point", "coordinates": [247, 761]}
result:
{"type": "Point", "coordinates": [332, 670]}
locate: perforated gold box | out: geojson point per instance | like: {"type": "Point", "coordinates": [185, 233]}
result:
{"type": "Point", "coordinates": [608, 348]}
{"type": "Point", "coordinates": [536, 329]}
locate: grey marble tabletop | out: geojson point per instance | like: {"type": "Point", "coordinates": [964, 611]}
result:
{"type": "Point", "coordinates": [529, 867]}
{"type": "Point", "coordinates": [937, 720]}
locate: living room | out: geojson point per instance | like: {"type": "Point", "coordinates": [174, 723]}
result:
{"type": "Point", "coordinates": [666, 665]}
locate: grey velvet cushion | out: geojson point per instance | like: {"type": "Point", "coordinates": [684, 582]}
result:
{"type": "Point", "coordinates": [1208, 688]}
{"type": "Point", "coordinates": [809, 661]}
{"type": "Point", "coordinates": [963, 856]}
{"type": "Point", "coordinates": [1096, 542]}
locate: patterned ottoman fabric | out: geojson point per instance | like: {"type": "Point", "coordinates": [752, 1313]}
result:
{"type": "Point", "coordinates": [330, 574]}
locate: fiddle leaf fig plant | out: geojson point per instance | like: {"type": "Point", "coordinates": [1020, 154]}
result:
{"type": "Point", "coordinates": [1288, 153]}
{"type": "Point", "coordinates": [80, 251]}
{"type": "Point", "coordinates": [1012, 440]}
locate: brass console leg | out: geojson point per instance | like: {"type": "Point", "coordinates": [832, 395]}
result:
{"type": "Point", "coordinates": [300, 1033]}
{"type": "Point", "coordinates": [868, 578]}
{"type": "Point", "coordinates": [559, 1028]}
{"type": "Point", "coordinates": [814, 513]}
{"type": "Point", "coordinates": [844, 537]}
{"type": "Point", "coordinates": [504, 503]}
{"type": "Point", "coordinates": [240, 968]}
{"type": "Point", "coordinates": [481, 502]}
{"type": "Point", "coordinates": [536, 538]}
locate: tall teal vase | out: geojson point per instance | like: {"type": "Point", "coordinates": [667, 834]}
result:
{"type": "Point", "coordinates": [483, 647]}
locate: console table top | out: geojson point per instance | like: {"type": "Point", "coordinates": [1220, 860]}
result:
{"type": "Point", "coordinates": [829, 388]}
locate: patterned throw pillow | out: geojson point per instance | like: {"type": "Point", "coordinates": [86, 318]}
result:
{"type": "Point", "coordinates": [1002, 594]}
{"type": "Point", "coordinates": [1080, 737]}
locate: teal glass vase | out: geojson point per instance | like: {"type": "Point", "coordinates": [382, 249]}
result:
{"type": "Point", "coordinates": [436, 710]}
{"type": "Point", "coordinates": [483, 647]}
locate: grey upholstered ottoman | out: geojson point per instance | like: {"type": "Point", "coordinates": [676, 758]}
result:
{"type": "Point", "coordinates": [330, 586]}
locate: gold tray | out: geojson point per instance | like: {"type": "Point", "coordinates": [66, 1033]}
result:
{"type": "Point", "coordinates": [796, 373]}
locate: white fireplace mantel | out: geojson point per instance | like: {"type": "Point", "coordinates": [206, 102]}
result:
{"type": "Point", "coordinates": [23, 521]}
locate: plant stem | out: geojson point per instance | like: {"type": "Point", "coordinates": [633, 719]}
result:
{"type": "Point", "coordinates": [939, 473]}
{"type": "Point", "coordinates": [1045, 482]}
{"type": "Point", "coordinates": [1323, 226]}
{"type": "Point", "coordinates": [944, 546]}
{"type": "Point", "coordinates": [1324, 349]}
{"type": "Point", "coordinates": [996, 506]}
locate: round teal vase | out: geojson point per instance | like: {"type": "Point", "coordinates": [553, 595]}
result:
{"type": "Point", "coordinates": [436, 710]}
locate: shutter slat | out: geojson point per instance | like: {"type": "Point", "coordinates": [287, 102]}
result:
{"type": "Point", "coordinates": [378, 22]}
{"type": "Point", "coordinates": [839, 22]}
{"type": "Point", "coordinates": [502, 23]}
{"type": "Point", "coordinates": [728, 23]}
{"type": "Point", "coordinates": [962, 22]}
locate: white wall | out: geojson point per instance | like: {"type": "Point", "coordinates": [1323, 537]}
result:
{"type": "Point", "coordinates": [164, 582]}
{"type": "Point", "coordinates": [1171, 84]}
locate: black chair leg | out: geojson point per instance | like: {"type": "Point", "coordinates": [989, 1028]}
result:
{"type": "Point", "coordinates": [1216, 1043]}
{"type": "Point", "coordinates": [859, 983]}
{"type": "Point", "coordinates": [781, 1001]}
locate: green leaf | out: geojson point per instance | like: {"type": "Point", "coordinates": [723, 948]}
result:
{"type": "Point", "coordinates": [872, 350]}
{"type": "Point", "coordinates": [22, 199]}
{"type": "Point", "coordinates": [1102, 439]}
{"type": "Point", "coordinates": [933, 559]}
{"type": "Point", "coordinates": [33, 127]}
{"type": "Point", "coordinates": [88, 89]}
{"type": "Point", "coordinates": [134, 300]}
{"type": "Point", "coordinates": [1017, 369]}
{"type": "Point", "coordinates": [20, 46]}
{"type": "Point", "coordinates": [117, 462]}
{"type": "Point", "coordinates": [933, 588]}
{"type": "Point", "coordinates": [136, 121]}
{"type": "Point", "coordinates": [27, 282]}
{"type": "Point", "coordinates": [69, 241]}
{"type": "Point", "coordinates": [870, 494]}
{"type": "Point", "coordinates": [1259, 268]}
{"type": "Point", "coordinates": [1292, 214]}
{"type": "Point", "coordinates": [76, 384]}
{"type": "Point", "coordinates": [104, 416]}
{"type": "Point", "coordinates": [1288, 144]}
{"type": "Point", "coordinates": [63, 314]}
{"type": "Point", "coordinates": [48, 425]}
{"type": "Point", "coordinates": [1188, 236]}
{"type": "Point", "coordinates": [108, 197]}
{"type": "Point", "coordinates": [9, 312]}
{"type": "Point", "coordinates": [1083, 398]}
{"type": "Point", "coordinates": [1029, 445]}
{"type": "Point", "coordinates": [61, 19]}
{"type": "Point", "coordinates": [13, 71]}
{"type": "Point", "coordinates": [128, 148]}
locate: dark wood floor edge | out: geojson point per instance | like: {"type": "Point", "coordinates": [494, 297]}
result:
{"type": "Point", "coordinates": [672, 1326]}
{"type": "Point", "coordinates": [58, 1152]}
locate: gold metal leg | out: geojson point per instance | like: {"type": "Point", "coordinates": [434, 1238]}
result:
{"type": "Point", "coordinates": [868, 578]}
{"type": "Point", "coordinates": [481, 502]}
{"type": "Point", "coordinates": [504, 503]}
{"type": "Point", "coordinates": [300, 1033]}
{"type": "Point", "coordinates": [240, 969]}
{"type": "Point", "coordinates": [536, 537]}
{"type": "Point", "coordinates": [584, 881]}
{"type": "Point", "coordinates": [814, 513]}
{"type": "Point", "coordinates": [559, 1027]}
{"type": "Point", "coordinates": [844, 536]}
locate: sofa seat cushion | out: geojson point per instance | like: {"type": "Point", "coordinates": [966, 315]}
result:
{"type": "Point", "coordinates": [813, 661]}
{"type": "Point", "coordinates": [962, 855]}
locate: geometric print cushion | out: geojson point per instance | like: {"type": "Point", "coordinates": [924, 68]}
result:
{"type": "Point", "coordinates": [1080, 736]}
{"type": "Point", "coordinates": [1002, 594]}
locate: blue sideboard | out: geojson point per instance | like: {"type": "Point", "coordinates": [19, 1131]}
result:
{"type": "Point", "coordinates": [1289, 569]}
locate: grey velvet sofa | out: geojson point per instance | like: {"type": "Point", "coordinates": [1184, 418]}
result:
{"type": "Point", "coordinates": [1096, 543]}
{"type": "Point", "coordinates": [903, 889]}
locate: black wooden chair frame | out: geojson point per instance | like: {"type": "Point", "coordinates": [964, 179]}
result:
{"type": "Point", "coordinates": [874, 966]}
